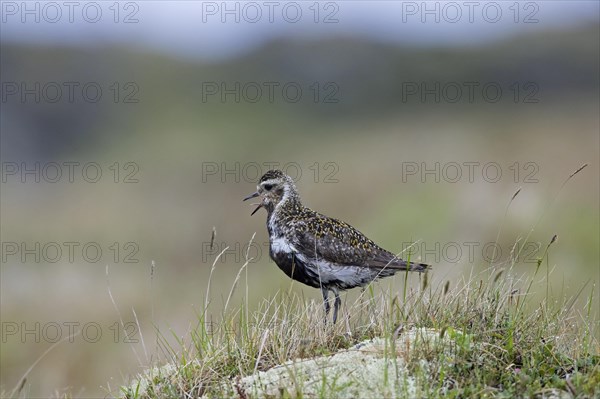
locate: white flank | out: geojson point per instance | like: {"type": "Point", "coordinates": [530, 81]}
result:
{"type": "Point", "coordinates": [329, 272]}
{"type": "Point", "coordinates": [280, 244]}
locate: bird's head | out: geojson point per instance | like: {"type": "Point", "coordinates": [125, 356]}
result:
{"type": "Point", "coordinates": [274, 188]}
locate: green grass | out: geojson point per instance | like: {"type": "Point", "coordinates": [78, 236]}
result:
{"type": "Point", "coordinates": [501, 341]}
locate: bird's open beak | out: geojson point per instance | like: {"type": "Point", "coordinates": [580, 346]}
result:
{"type": "Point", "coordinates": [257, 208]}
{"type": "Point", "coordinates": [254, 195]}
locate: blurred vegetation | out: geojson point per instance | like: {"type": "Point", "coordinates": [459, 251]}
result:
{"type": "Point", "coordinates": [370, 76]}
{"type": "Point", "coordinates": [171, 134]}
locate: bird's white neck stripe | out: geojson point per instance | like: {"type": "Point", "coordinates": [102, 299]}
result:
{"type": "Point", "coordinates": [286, 196]}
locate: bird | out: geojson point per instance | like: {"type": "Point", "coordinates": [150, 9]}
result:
{"type": "Point", "coordinates": [317, 250]}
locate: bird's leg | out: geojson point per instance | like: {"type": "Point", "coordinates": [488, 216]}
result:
{"type": "Point", "coordinates": [325, 293]}
{"type": "Point", "coordinates": [336, 304]}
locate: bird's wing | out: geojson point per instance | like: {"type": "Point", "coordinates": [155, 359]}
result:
{"type": "Point", "coordinates": [339, 243]}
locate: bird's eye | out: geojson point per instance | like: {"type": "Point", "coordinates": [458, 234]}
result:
{"type": "Point", "coordinates": [268, 187]}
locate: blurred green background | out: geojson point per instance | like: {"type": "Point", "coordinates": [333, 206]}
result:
{"type": "Point", "coordinates": [185, 159]}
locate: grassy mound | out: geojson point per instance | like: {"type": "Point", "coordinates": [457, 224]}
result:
{"type": "Point", "coordinates": [488, 336]}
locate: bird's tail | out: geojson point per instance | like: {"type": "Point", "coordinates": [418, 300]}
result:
{"type": "Point", "coordinates": [417, 267]}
